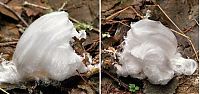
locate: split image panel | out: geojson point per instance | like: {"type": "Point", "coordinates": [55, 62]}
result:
{"type": "Point", "coordinates": [99, 47]}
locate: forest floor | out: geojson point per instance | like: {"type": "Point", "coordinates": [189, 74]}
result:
{"type": "Point", "coordinates": [179, 15]}
{"type": "Point", "coordinates": [17, 15]}
{"type": "Point", "coordinates": [116, 15]}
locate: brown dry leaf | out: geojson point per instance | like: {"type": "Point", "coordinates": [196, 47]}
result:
{"type": "Point", "coordinates": [131, 2]}
{"type": "Point", "coordinates": [6, 12]}
{"type": "Point", "coordinates": [14, 4]}
{"type": "Point", "coordinates": [91, 38]}
{"type": "Point", "coordinates": [30, 12]}
{"type": "Point", "coordinates": [56, 4]}
{"type": "Point", "coordinates": [9, 32]}
{"type": "Point", "coordinates": [129, 13]}
{"type": "Point", "coordinates": [87, 10]}
{"type": "Point", "coordinates": [17, 6]}
{"type": "Point", "coordinates": [109, 10]}
{"type": "Point", "coordinates": [34, 11]}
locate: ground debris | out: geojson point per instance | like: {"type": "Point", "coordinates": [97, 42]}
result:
{"type": "Point", "coordinates": [11, 28]}
{"type": "Point", "coordinates": [115, 23]}
{"type": "Point", "coordinates": [170, 88]}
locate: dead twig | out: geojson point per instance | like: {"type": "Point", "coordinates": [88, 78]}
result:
{"type": "Point", "coordinates": [4, 91]}
{"type": "Point", "coordinates": [116, 13]}
{"type": "Point", "coordinates": [7, 44]}
{"type": "Point", "coordinates": [16, 14]}
{"type": "Point", "coordinates": [188, 30]}
{"type": "Point", "coordinates": [8, 39]}
{"type": "Point", "coordinates": [94, 44]}
{"type": "Point", "coordinates": [190, 41]}
{"type": "Point", "coordinates": [195, 54]}
{"type": "Point", "coordinates": [121, 22]}
{"type": "Point", "coordinates": [113, 22]}
{"type": "Point", "coordinates": [63, 5]}
{"type": "Point", "coordinates": [117, 80]}
{"type": "Point", "coordinates": [85, 80]}
{"type": "Point", "coordinates": [193, 49]}
{"type": "Point", "coordinates": [180, 31]}
{"type": "Point", "coordinates": [196, 21]}
{"type": "Point", "coordinates": [35, 5]}
{"type": "Point", "coordinates": [168, 17]}
{"type": "Point", "coordinates": [136, 12]}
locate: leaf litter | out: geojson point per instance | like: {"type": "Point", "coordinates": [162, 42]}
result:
{"type": "Point", "coordinates": [12, 28]}
{"type": "Point", "coordinates": [168, 13]}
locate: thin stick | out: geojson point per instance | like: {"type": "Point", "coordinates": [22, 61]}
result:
{"type": "Point", "coordinates": [34, 5]}
{"type": "Point", "coordinates": [113, 21]}
{"type": "Point", "coordinates": [196, 21]}
{"type": "Point", "coordinates": [194, 49]}
{"type": "Point", "coordinates": [7, 44]}
{"type": "Point", "coordinates": [136, 12]}
{"type": "Point", "coordinates": [124, 24]}
{"type": "Point", "coordinates": [169, 18]}
{"type": "Point", "coordinates": [63, 5]}
{"type": "Point", "coordinates": [123, 84]}
{"type": "Point", "coordinates": [115, 14]}
{"type": "Point", "coordinates": [195, 54]}
{"type": "Point", "coordinates": [182, 34]}
{"type": "Point", "coordinates": [4, 91]}
{"type": "Point", "coordinates": [190, 41]}
{"type": "Point", "coordinates": [16, 14]}
{"type": "Point", "coordinates": [81, 76]}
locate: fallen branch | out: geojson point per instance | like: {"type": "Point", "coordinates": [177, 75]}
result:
{"type": "Point", "coordinates": [115, 14]}
{"type": "Point", "coordinates": [121, 22]}
{"type": "Point", "coordinates": [117, 80]}
{"type": "Point", "coordinates": [7, 44]}
{"type": "Point", "coordinates": [4, 91]}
